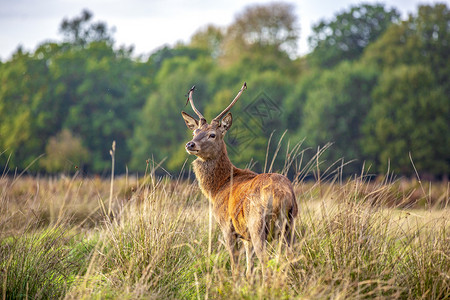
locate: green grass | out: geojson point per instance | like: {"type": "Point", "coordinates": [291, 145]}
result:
{"type": "Point", "coordinates": [41, 263]}
{"type": "Point", "coordinates": [354, 240]}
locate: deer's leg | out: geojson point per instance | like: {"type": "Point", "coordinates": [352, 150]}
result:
{"type": "Point", "coordinates": [258, 235]}
{"type": "Point", "coordinates": [231, 245]}
{"type": "Point", "coordinates": [289, 234]}
{"type": "Point", "coordinates": [249, 255]}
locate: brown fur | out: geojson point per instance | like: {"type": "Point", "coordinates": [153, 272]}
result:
{"type": "Point", "coordinates": [247, 205]}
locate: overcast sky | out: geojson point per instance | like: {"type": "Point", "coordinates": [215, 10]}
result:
{"type": "Point", "coordinates": [150, 24]}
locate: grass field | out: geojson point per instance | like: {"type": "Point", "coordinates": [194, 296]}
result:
{"type": "Point", "coordinates": [154, 238]}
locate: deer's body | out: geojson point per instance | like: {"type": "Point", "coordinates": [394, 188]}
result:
{"type": "Point", "coordinates": [236, 194]}
{"type": "Point", "coordinates": [246, 205]}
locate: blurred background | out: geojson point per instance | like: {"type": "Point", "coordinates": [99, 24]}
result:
{"type": "Point", "coordinates": [369, 78]}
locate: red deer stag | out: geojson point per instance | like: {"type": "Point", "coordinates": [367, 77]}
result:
{"type": "Point", "coordinates": [246, 205]}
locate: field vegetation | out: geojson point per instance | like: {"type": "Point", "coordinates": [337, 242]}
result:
{"type": "Point", "coordinates": [154, 237]}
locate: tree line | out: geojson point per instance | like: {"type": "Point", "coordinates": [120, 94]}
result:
{"type": "Point", "coordinates": [374, 85]}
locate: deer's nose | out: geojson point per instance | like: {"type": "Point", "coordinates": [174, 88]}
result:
{"type": "Point", "coordinates": [190, 145]}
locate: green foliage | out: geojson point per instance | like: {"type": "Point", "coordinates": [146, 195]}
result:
{"type": "Point", "coordinates": [25, 82]}
{"type": "Point", "coordinates": [422, 39]}
{"type": "Point", "coordinates": [94, 91]}
{"type": "Point", "coordinates": [40, 265]}
{"type": "Point", "coordinates": [263, 113]}
{"type": "Point", "coordinates": [349, 33]}
{"type": "Point", "coordinates": [261, 33]}
{"type": "Point", "coordinates": [411, 107]}
{"type": "Point", "coordinates": [335, 109]}
{"type": "Point", "coordinates": [80, 31]}
{"type": "Point", "coordinates": [101, 93]}
{"type": "Point", "coordinates": [409, 116]}
{"type": "Point", "coordinates": [64, 152]}
{"type": "Point", "coordinates": [105, 102]}
{"type": "Point", "coordinates": [159, 56]}
{"type": "Point", "coordinates": [259, 26]}
{"type": "Point", "coordinates": [295, 101]}
{"type": "Point", "coordinates": [160, 131]}
{"type": "Point", "coordinates": [209, 39]}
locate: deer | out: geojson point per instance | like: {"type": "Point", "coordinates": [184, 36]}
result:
{"type": "Point", "coordinates": [248, 206]}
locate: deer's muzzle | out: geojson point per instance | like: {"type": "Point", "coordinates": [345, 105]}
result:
{"type": "Point", "coordinates": [191, 148]}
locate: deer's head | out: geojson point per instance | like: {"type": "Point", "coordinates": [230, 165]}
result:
{"type": "Point", "coordinates": [207, 142]}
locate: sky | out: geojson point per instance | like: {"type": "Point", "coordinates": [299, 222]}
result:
{"type": "Point", "coordinates": [151, 24]}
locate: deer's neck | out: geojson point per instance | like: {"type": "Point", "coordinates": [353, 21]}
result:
{"type": "Point", "coordinates": [213, 174]}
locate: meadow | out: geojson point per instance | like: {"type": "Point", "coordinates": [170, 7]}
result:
{"type": "Point", "coordinates": [77, 237]}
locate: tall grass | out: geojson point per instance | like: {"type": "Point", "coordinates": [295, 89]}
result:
{"type": "Point", "coordinates": [354, 239]}
{"type": "Point", "coordinates": [41, 264]}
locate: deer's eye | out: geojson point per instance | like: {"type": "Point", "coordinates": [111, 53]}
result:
{"type": "Point", "coordinates": [212, 135]}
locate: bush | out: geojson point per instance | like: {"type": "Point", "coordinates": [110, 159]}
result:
{"type": "Point", "coordinates": [64, 152]}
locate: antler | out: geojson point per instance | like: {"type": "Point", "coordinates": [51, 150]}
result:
{"type": "Point", "coordinates": [199, 114]}
{"type": "Point", "coordinates": [219, 117]}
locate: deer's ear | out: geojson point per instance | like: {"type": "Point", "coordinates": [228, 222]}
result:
{"type": "Point", "coordinates": [226, 122]}
{"type": "Point", "coordinates": [191, 123]}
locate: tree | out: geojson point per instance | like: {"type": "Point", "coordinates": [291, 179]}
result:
{"type": "Point", "coordinates": [160, 130]}
{"type": "Point", "coordinates": [257, 114]}
{"type": "Point", "coordinates": [411, 107]}
{"type": "Point", "coordinates": [104, 89]}
{"type": "Point", "coordinates": [25, 83]}
{"type": "Point", "coordinates": [268, 32]}
{"type": "Point", "coordinates": [210, 39]}
{"type": "Point", "coordinates": [157, 58]}
{"type": "Point", "coordinates": [296, 100]}
{"type": "Point", "coordinates": [95, 91]}
{"type": "Point", "coordinates": [422, 39]}
{"type": "Point", "coordinates": [64, 152]}
{"type": "Point", "coordinates": [349, 33]}
{"type": "Point", "coordinates": [335, 110]}
{"type": "Point", "coordinates": [81, 31]}
{"type": "Point", "coordinates": [409, 115]}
